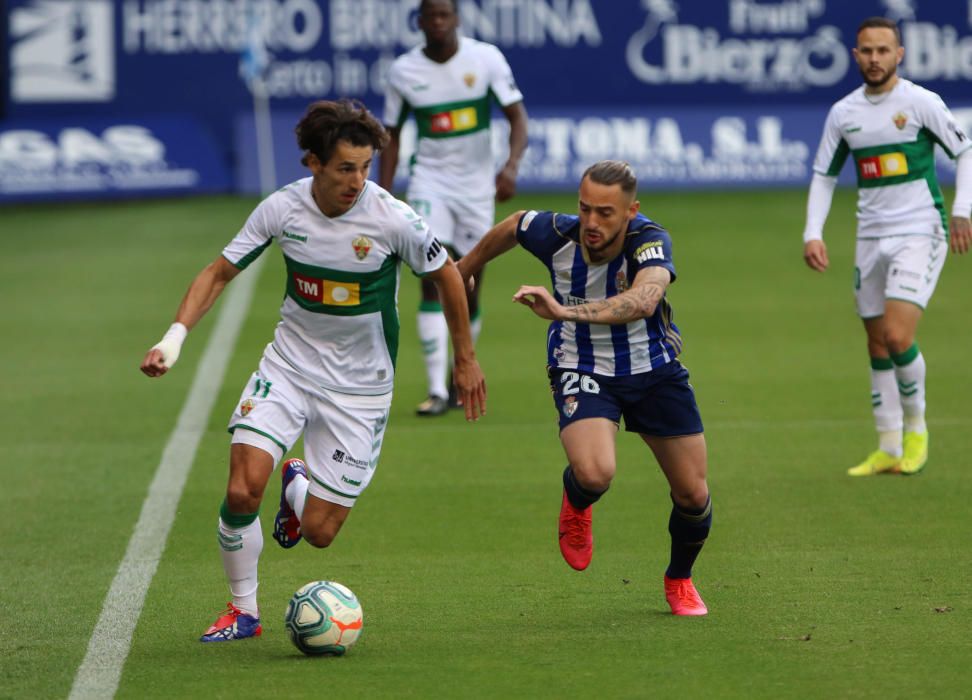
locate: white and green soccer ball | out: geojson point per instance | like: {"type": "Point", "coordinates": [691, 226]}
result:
{"type": "Point", "coordinates": [323, 618]}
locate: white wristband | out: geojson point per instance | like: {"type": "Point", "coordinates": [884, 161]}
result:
{"type": "Point", "coordinates": [171, 344]}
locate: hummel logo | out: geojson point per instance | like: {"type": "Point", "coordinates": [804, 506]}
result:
{"type": "Point", "coordinates": [420, 87]}
{"type": "Point", "coordinates": [852, 129]}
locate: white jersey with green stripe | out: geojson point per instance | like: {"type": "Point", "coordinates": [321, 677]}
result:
{"type": "Point", "coordinates": [451, 102]}
{"type": "Point", "coordinates": [892, 138]}
{"type": "Point", "coordinates": [339, 319]}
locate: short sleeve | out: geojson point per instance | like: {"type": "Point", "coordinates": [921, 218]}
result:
{"type": "Point", "coordinates": [262, 226]}
{"type": "Point", "coordinates": [501, 80]}
{"type": "Point", "coordinates": [939, 120]}
{"type": "Point", "coordinates": [396, 109]}
{"type": "Point", "coordinates": [543, 233]}
{"type": "Point", "coordinates": [531, 228]}
{"type": "Point", "coordinates": [651, 246]}
{"type": "Point", "coordinates": [417, 244]}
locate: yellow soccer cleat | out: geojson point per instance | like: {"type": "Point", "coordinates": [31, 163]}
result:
{"type": "Point", "coordinates": [878, 462]}
{"type": "Point", "coordinates": [915, 453]}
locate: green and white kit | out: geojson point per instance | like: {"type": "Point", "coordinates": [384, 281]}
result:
{"type": "Point", "coordinates": [902, 226]}
{"type": "Point", "coordinates": [452, 172]}
{"type": "Point", "coordinates": [329, 370]}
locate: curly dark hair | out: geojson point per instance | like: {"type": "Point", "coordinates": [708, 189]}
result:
{"type": "Point", "coordinates": [327, 122]}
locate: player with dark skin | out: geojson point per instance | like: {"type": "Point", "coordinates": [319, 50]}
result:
{"type": "Point", "coordinates": [439, 22]}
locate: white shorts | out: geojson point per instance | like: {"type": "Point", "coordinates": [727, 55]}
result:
{"type": "Point", "coordinates": [342, 432]}
{"type": "Point", "coordinates": [458, 222]}
{"type": "Point", "coordinates": [905, 268]}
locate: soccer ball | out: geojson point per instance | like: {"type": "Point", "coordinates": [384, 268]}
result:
{"type": "Point", "coordinates": [323, 618]}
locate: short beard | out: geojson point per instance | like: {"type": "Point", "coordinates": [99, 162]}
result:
{"type": "Point", "coordinates": [878, 83]}
{"type": "Point", "coordinates": [599, 252]}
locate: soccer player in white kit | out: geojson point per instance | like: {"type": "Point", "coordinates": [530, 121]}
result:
{"type": "Point", "coordinates": [329, 371]}
{"type": "Point", "coordinates": [449, 85]}
{"type": "Point", "coordinates": [890, 127]}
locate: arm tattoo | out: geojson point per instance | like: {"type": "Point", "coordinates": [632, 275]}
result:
{"type": "Point", "coordinates": [638, 302]}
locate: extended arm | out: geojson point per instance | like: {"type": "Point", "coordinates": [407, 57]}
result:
{"type": "Point", "coordinates": [506, 177]}
{"type": "Point", "coordinates": [199, 298]}
{"type": "Point", "coordinates": [819, 199]}
{"type": "Point", "coordinates": [638, 302]}
{"type": "Point", "coordinates": [467, 374]}
{"type": "Point", "coordinates": [388, 161]}
{"type": "Point", "coordinates": [959, 227]}
{"type": "Point", "coordinates": [498, 240]}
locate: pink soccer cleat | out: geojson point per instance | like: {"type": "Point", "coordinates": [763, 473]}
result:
{"type": "Point", "coordinates": [683, 598]}
{"type": "Point", "coordinates": [576, 540]}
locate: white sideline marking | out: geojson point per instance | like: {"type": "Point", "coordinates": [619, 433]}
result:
{"type": "Point", "coordinates": [99, 673]}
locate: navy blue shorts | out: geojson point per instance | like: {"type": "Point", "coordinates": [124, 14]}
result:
{"type": "Point", "coordinates": [660, 402]}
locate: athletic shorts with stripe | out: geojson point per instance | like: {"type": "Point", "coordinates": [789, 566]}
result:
{"type": "Point", "coordinates": [457, 222]}
{"type": "Point", "coordinates": [905, 268]}
{"type": "Point", "coordinates": [342, 433]}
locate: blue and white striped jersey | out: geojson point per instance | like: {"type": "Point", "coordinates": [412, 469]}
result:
{"type": "Point", "coordinates": [610, 350]}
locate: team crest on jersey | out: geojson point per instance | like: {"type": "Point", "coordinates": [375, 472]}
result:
{"type": "Point", "coordinates": [621, 281]}
{"type": "Point", "coordinates": [246, 407]}
{"type": "Point", "coordinates": [559, 354]}
{"type": "Point", "coordinates": [900, 120]}
{"type": "Point", "coordinates": [570, 406]}
{"type": "Point", "coordinates": [362, 246]}
{"type": "Point", "coordinates": [469, 79]}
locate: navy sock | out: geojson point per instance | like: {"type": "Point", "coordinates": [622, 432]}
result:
{"type": "Point", "coordinates": [578, 496]}
{"type": "Point", "coordinates": [689, 528]}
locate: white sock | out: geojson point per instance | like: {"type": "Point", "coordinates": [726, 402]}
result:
{"type": "Point", "coordinates": [240, 549]}
{"type": "Point", "coordinates": [911, 387]}
{"type": "Point", "coordinates": [434, 336]}
{"type": "Point", "coordinates": [297, 495]}
{"type": "Point", "coordinates": [890, 441]}
{"type": "Point", "coordinates": [886, 403]}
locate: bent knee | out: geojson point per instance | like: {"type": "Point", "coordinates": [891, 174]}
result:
{"type": "Point", "coordinates": [241, 498]}
{"type": "Point", "coordinates": [319, 537]}
{"type": "Point", "coordinates": [898, 343]}
{"type": "Point", "coordinates": [594, 477]}
{"type": "Point", "coordinates": [693, 497]}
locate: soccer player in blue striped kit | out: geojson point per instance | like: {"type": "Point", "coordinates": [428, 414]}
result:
{"type": "Point", "coordinates": [612, 353]}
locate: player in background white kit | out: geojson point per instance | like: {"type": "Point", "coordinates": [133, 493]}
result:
{"type": "Point", "coordinates": [328, 373]}
{"type": "Point", "coordinates": [449, 85]}
{"type": "Point", "coordinates": [890, 127]}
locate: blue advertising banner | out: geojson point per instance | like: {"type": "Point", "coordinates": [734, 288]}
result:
{"type": "Point", "coordinates": [677, 148]}
{"type": "Point", "coordinates": [589, 70]}
{"type": "Point", "coordinates": [129, 56]}
{"type": "Point", "coordinates": [93, 158]}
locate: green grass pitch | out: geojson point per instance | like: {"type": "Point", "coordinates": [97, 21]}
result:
{"type": "Point", "coordinates": [818, 585]}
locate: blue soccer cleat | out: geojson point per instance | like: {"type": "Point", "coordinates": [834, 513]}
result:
{"type": "Point", "coordinates": [232, 625]}
{"type": "Point", "coordinates": [286, 526]}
